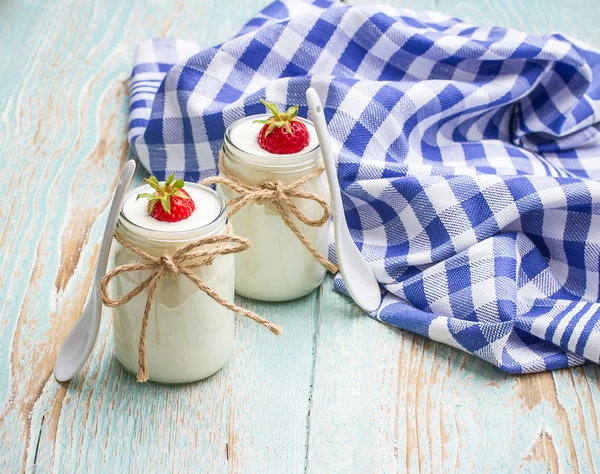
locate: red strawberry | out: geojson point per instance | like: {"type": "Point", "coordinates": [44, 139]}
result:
{"type": "Point", "coordinates": [283, 133]}
{"type": "Point", "coordinates": [175, 203]}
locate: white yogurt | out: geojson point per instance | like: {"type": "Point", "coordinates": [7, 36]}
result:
{"type": "Point", "coordinates": [277, 267]}
{"type": "Point", "coordinates": [207, 209]}
{"type": "Point", "coordinates": [189, 335]}
{"type": "Point", "coordinates": [244, 134]}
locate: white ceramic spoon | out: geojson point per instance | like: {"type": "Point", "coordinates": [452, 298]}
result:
{"type": "Point", "coordinates": [79, 343]}
{"type": "Point", "coordinates": [358, 276]}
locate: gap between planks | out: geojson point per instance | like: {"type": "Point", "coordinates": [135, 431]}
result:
{"type": "Point", "coordinates": [317, 325]}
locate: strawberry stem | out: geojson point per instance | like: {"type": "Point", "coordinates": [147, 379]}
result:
{"type": "Point", "coordinates": [278, 119]}
{"type": "Point", "coordinates": [272, 107]}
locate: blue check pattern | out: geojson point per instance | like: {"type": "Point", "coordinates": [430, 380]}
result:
{"type": "Point", "coordinates": [469, 160]}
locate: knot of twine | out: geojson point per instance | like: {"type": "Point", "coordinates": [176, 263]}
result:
{"type": "Point", "coordinates": [171, 268]}
{"type": "Point", "coordinates": [280, 195]}
{"type": "Point", "coordinates": [180, 262]}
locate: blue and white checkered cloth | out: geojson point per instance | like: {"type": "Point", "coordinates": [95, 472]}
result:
{"type": "Point", "coordinates": [469, 160]}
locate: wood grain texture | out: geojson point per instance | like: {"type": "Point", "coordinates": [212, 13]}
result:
{"type": "Point", "coordinates": [386, 400]}
{"type": "Point", "coordinates": [338, 392]}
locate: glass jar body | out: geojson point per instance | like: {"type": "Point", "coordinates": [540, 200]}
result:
{"type": "Point", "coordinates": [189, 336]}
{"type": "Point", "coordinates": [278, 267]}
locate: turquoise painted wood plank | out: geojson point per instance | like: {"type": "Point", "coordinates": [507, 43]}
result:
{"type": "Point", "coordinates": [422, 405]}
{"type": "Point", "coordinates": [250, 417]}
{"type": "Point", "coordinates": [386, 400]}
{"type": "Point", "coordinates": [64, 106]}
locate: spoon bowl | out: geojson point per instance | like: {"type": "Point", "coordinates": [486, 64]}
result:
{"type": "Point", "coordinates": [356, 272]}
{"type": "Point", "coordinates": [72, 355]}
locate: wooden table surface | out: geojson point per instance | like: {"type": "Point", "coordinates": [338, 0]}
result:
{"type": "Point", "coordinates": [338, 393]}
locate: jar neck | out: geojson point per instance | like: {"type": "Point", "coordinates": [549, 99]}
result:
{"type": "Point", "coordinates": [254, 170]}
{"type": "Point", "coordinates": [162, 241]}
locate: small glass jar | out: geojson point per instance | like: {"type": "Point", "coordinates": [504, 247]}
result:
{"type": "Point", "coordinates": [278, 267]}
{"type": "Point", "coordinates": [189, 336]}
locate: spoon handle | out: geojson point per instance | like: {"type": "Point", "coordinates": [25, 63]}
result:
{"type": "Point", "coordinates": [111, 223]}
{"type": "Point", "coordinates": [358, 276]}
{"type": "Point", "coordinates": [318, 117]}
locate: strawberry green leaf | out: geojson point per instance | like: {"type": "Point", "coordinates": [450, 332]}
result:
{"type": "Point", "coordinates": [272, 107]}
{"type": "Point", "coordinates": [170, 179]}
{"type": "Point", "coordinates": [166, 203]}
{"type": "Point", "coordinates": [153, 183]}
{"type": "Point", "coordinates": [151, 205]}
{"type": "Point", "coordinates": [278, 119]}
{"type": "Point", "coordinates": [145, 196]}
{"type": "Point", "coordinates": [292, 112]}
{"type": "Point", "coordinates": [178, 184]}
{"type": "Point", "coordinates": [270, 129]}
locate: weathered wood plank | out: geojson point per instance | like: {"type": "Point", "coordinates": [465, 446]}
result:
{"type": "Point", "coordinates": [381, 400]}
{"type": "Point", "coordinates": [385, 400]}
{"type": "Point", "coordinates": [64, 112]}
{"type": "Point", "coordinates": [251, 416]}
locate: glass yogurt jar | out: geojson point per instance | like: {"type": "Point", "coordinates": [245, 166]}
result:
{"type": "Point", "coordinates": [278, 267]}
{"type": "Point", "coordinates": [189, 335]}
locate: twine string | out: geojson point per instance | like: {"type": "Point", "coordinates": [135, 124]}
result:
{"type": "Point", "coordinates": [280, 195]}
{"type": "Point", "coordinates": [181, 262]}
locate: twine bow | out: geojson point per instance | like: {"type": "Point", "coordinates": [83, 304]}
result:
{"type": "Point", "coordinates": [280, 195]}
{"type": "Point", "coordinates": [180, 262]}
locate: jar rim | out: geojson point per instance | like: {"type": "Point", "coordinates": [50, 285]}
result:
{"type": "Point", "coordinates": [155, 235]}
{"type": "Point", "coordinates": [266, 162]}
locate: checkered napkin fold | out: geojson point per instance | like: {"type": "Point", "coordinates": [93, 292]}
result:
{"type": "Point", "coordinates": [469, 160]}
